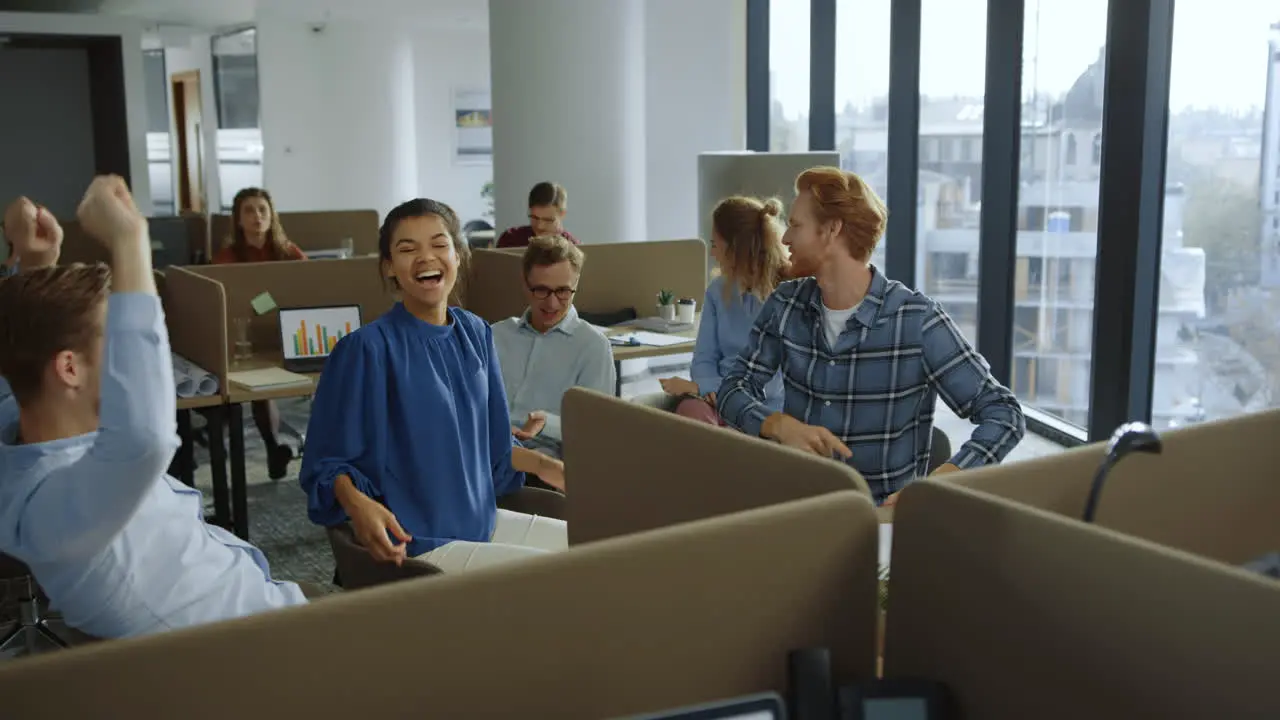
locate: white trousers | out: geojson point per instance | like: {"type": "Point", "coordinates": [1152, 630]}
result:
{"type": "Point", "coordinates": [515, 536]}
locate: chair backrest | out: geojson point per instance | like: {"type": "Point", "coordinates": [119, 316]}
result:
{"type": "Point", "coordinates": [939, 449]}
{"type": "Point", "coordinates": [357, 568]}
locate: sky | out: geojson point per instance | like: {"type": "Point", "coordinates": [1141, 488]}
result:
{"type": "Point", "coordinates": [1219, 49]}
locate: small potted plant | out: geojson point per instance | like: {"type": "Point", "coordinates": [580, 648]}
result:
{"type": "Point", "coordinates": [667, 305]}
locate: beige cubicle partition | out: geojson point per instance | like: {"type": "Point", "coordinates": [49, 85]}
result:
{"type": "Point", "coordinates": [1212, 491]}
{"type": "Point", "coordinates": [681, 615]}
{"type": "Point", "coordinates": [79, 247]}
{"type": "Point", "coordinates": [174, 241]}
{"type": "Point", "coordinates": [319, 230]}
{"type": "Point", "coordinates": [494, 288]}
{"type": "Point", "coordinates": [1027, 614]}
{"type": "Point", "coordinates": [632, 468]}
{"type": "Point", "coordinates": [357, 281]}
{"type": "Point", "coordinates": [614, 276]}
{"type": "Point", "coordinates": [195, 309]}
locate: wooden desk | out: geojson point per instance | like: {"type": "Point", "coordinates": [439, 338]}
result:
{"type": "Point", "coordinates": [641, 352]}
{"type": "Point", "coordinates": [237, 396]}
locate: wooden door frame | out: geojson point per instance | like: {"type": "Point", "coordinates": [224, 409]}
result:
{"type": "Point", "coordinates": [189, 199]}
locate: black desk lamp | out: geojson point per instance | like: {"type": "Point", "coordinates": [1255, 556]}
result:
{"type": "Point", "coordinates": [1128, 438]}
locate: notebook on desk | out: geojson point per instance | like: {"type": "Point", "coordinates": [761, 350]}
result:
{"type": "Point", "coordinates": [308, 335]}
{"type": "Point", "coordinates": [267, 379]}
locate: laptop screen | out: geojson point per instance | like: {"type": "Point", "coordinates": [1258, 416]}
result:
{"type": "Point", "coordinates": [313, 332]}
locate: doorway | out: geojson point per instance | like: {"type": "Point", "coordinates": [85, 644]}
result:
{"type": "Point", "coordinates": [189, 125]}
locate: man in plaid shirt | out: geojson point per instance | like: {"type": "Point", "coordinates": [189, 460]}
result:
{"type": "Point", "coordinates": [863, 358]}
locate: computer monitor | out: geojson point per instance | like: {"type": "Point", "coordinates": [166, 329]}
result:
{"type": "Point", "coordinates": [308, 335]}
{"type": "Point", "coordinates": [764, 706]}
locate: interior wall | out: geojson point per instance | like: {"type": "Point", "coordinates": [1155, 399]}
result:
{"type": "Point", "coordinates": [47, 142]}
{"type": "Point", "coordinates": [196, 54]}
{"type": "Point", "coordinates": [130, 33]}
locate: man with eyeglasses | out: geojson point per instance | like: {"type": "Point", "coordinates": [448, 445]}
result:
{"type": "Point", "coordinates": [549, 349]}
{"type": "Point", "coordinates": [548, 203]}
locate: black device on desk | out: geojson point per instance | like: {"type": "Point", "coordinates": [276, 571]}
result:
{"type": "Point", "coordinates": [308, 335]}
{"type": "Point", "coordinates": [813, 697]}
{"type": "Point", "coordinates": [1128, 438]}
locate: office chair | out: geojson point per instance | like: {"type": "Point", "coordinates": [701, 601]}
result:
{"type": "Point", "coordinates": [356, 568]}
{"type": "Point", "coordinates": [939, 447]}
{"type": "Point", "coordinates": [32, 633]}
{"type": "Point", "coordinates": [475, 226]}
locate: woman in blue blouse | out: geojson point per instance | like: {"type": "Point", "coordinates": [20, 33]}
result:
{"type": "Point", "coordinates": [409, 437]}
{"type": "Point", "coordinates": [746, 242]}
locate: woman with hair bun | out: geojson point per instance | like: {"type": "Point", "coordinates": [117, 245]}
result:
{"type": "Point", "coordinates": [746, 242]}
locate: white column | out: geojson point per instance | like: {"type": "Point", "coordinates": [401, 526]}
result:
{"type": "Point", "coordinates": [568, 83]}
{"type": "Point", "coordinates": [337, 114]}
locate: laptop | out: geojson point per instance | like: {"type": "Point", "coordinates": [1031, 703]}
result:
{"type": "Point", "coordinates": [764, 706]}
{"type": "Point", "coordinates": [308, 335]}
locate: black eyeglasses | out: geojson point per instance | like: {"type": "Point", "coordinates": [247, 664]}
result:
{"type": "Point", "coordinates": [542, 293]}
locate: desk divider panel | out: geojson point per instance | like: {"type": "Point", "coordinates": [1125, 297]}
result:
{"type": "Point", "coordinates": [630, 275]}
{"type": "Point", "coordinates": [195, 313]}
{"type": "Point", "coordinates": [319, 230]}
{"type": "Point", "coordinates": [1212, 491]}
{"type": "Point", "coordinates": [1026, 614]}
{"type": "Point", "coordinates": [633, 468]}
{"type": "Point", "coordinates": [313, 283]}
{"type": "Point", "coordinates": [495, 285]}
{"type": "Point", "coordinates": [682, 615]}
{"type": "Point", "coordinates": [79, 247]}
{"type": "Point", "coordinates": [174, 241]}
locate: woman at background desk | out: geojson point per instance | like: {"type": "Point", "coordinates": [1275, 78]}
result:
{"type": "Point", "coordinates": [410, 437]}
{"type": "Point", "coordinates": [746, 242]}
{"type": "Point", "coordinates": [257, 236]}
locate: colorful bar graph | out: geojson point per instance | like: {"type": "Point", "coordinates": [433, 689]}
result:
{"type": "Point", "coordinates": [317, 341]}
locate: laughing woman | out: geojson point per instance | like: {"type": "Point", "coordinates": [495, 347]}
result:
{"type": "Point", "coordinates": [409, 438]}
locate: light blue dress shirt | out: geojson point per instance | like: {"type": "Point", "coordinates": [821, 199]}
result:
{"type": "Point", "coordinates": [722, 333]}
{"type": "Point", "coordinates": [120, 548]}
{"type": "Point", "coordinates": [537, 368]}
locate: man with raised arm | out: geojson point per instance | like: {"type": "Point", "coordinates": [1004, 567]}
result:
{"type": "Point", "coordinates": [119, 547]}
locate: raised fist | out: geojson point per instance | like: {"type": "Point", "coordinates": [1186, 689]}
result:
{"type": "Point", "coordinates": [109, 214]}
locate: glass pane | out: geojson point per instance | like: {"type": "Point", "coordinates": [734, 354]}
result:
{"type": "Point", "coordinates": [862, 93]}
{"type": "Point", "coordinates": [953, 40]}
{"type": "Point", "coordinates": [1218, 337]}
{"type": "Point", "coordinates": [1062, 84]}
{"type": "Point", "coordinates": [159, 163]}
{"type": "Point", "coordinates": [789, 75]}
{"type": "Point", "coordinates": [235, 67]}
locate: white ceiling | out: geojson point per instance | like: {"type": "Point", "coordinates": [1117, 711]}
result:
{"type": "Point", "coordinates": [223, 13]}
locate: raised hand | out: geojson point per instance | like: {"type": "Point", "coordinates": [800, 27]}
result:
{"type": "Point", "coordinates": [109, 214]}
{"type": "Point", "coordinates": [33, 233]}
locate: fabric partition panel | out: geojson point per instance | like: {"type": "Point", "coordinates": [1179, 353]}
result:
{"type": "Point", "coordinates": [681, 615]}
{"type": "Point", "coordinates": [313, 283]}
{"type": "Point", "coordinates": [1023, 613]}
{"type": "Point", "coordinates": [319, 230]}
{"type": "Point", "coordinates": [630, 275]}
{"type": "Point", "coordinates": [195, 313]}
{"type": "Point", "coordinates": [1211, 491]}
{"type": "Point", "coordinates": [495, 285]}
{"type": "Point", "coordinates": [683, 470]}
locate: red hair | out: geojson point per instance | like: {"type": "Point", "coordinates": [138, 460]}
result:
{"type": "Point", "coordinates": [844, 196]}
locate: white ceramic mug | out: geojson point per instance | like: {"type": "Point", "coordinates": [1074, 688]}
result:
{"type": "Point", "coordinates": [686, 311]}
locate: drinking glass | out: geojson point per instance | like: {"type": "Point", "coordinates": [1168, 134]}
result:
{"type": "Point", "coordinates": [243, 346]}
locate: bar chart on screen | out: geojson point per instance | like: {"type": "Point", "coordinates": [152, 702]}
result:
{"type": "Point", "coordinates": [314, 332]}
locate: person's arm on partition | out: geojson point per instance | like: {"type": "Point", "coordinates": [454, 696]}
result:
{"type": "Point", "coordinates": [347, 412]}
{"type": "Point", "coordinates": [707, 353]}
{"type": "Point", "coordinates": [137, 433]}
{"type": "Point", "coordinates": [963, 380]}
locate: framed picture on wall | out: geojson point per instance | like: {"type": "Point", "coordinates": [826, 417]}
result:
{"type": "Point", "coordinates": [472, 127]}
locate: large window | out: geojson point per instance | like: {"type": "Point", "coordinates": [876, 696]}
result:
{"type": "Point", "coordinates": [1062, 84]}
{"type": "Point", "coordinates": [159, 157]}
{"type": "Point", "coordinates": [952, 72]}
{"type": "Point", "coordinates": [1218, 340]}
{"type": "Point", "coordinates": [235, 73]}
{"type": "Point", "coordinates": [862, 93]}
{"type": "Point", "coordinates": [789, 75]}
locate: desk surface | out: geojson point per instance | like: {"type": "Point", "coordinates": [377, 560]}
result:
{"type": "Point", "coordinates": [201, 401]}
{"type": "Point", "coordinates": [237, 394]}
{"type": "Point", "coordinates": [636, 352]}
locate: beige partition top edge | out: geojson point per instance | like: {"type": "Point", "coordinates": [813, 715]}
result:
{"type": "Point", "coordinates": [195, 309]}
{"type": "Point", "coordinates": [683, 615]}
{"type": "Point", "coordinates": [630, 275]}
{"type": "Point", "coordinates": [635, 468]}
{"type": "Point", "coordinates": [1211, 491]}
{"type": "Point", "coordinates": [495, 285]}
{"type": "Point", "coordinates": [1023, 613]}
